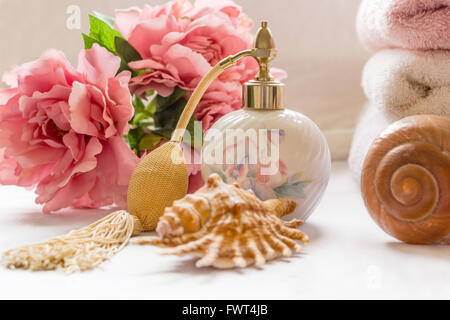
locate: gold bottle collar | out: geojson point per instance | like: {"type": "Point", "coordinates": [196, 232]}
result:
{"type": "Point", "coordinates": [263, 95]}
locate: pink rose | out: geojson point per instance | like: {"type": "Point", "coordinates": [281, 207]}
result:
{"type": "Point", "coordinates": [61, 130]}
{"type": "Point", "coordinates": [179, 42]}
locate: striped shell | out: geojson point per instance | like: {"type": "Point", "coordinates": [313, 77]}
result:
{"type": "Point", "coordinates": [226, 227]}
{"type": "Point", "coordinates": [406, 180]}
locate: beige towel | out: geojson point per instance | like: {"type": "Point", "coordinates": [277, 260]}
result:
{"type": "Point", "coordinates": [403, 83]}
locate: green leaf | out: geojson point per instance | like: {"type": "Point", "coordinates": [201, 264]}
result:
{"type": "Point", "coordinates": [166, 117]}
{"type": "Point", "coordinates": [103, 33]}
{"type": "Point", "coordinates": [88, 41]}
{"type": "Point", "coordinates": [158, 119]}
{"type": "Point", "coordinates": [151, 107]}
{"type": "Point", "coordinates": [139, 118]}
{"type": "Point", "coordinates": [194, 139]}
{"type": "Point", "coordinates": [125, 50]}
{"type": "Point", "coordinates": [165, 102]}
{"type": "Point", "coordinates": [124, 67]}
{"type": "Point", "coordinates": [105, 18]}
{"type": "Point", "coordinates": [149, 142]}
{"type": "Point", "coordinates": [133, 137]}
{"type": "Point", "coordinates": [165, 133]}
{"type": "Point", "coordinates": [144, 71]}
{"type": "Point", "coordinates": [143, 114]}
{"type": "Point", "coordinates": [295, 190]}
{"type": "Point", "coordinates": [138, 105]}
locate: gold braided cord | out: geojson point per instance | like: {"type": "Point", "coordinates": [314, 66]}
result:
{"type": "Point", "coordinates": [194, 100]}
{"type": "Point", "coordinates": [79, 250]}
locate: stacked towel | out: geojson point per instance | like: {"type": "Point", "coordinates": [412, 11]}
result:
{"type": "Point", "coordinates": [372, 122]}
{"type": "Point", "coordinates": [408, 24]}
{"type": "Point", "coordinates": [403, 81]}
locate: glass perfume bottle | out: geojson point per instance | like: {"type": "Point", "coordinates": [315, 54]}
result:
{"type": "Point", "coordinates": [276, 152]}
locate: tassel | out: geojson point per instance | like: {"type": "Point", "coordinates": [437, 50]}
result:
{"type": "Point", "coordinates": [79, 250]}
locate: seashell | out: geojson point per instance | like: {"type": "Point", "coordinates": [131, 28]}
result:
{"type": "Point", "coordinates": [228, 227]}
{"type": "Point", "coordinates": [405, 180]}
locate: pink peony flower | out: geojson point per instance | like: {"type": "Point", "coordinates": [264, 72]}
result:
{"type": "Point", "coordinates": [180, 42]}
{"type": "Point", "coordinates": [195, 182]}
{"type": "Point", "coordinates": [7, 169]}
{"type": "Point", "coordinates": [61, 130]}
{"type": "Point", "coordinates": [193, 160]}
{"type": "Point", "coordinates": [220, 99]}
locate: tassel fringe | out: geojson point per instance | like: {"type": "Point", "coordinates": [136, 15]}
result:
{"type": "Point", "coordinates": [79, 250]}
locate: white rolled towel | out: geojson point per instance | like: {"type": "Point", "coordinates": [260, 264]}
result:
{"type": "Point", "coordinates": [371, 124]}
{"type": "Point", "coordinates": [402, 83]}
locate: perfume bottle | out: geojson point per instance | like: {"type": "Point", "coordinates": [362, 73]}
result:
{"type": "Point", "coordinates": [265, 147]}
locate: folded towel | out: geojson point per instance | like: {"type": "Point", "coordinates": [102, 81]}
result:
{"type": "Point", "coordinates": [409, 24]}
{"type": "Point", "coordinates": [371, 124]}
{"type": "Point", "coordinates": [401, 83]}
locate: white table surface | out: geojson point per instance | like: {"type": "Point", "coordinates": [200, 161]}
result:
{"type": "Point", "coordinates": [349, 258]}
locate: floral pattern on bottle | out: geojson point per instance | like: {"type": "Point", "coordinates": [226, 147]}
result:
{"type": "Point", "coordinates": [252, 175]}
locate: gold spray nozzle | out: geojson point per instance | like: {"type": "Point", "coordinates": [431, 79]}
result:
{"type": "Point", "coordinates": [263, 92]}
{"type": "Point", "coordinates": [264, 51]}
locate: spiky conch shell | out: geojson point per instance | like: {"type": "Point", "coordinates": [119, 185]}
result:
{"type": "Point", "coordinates": [227, 227]}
